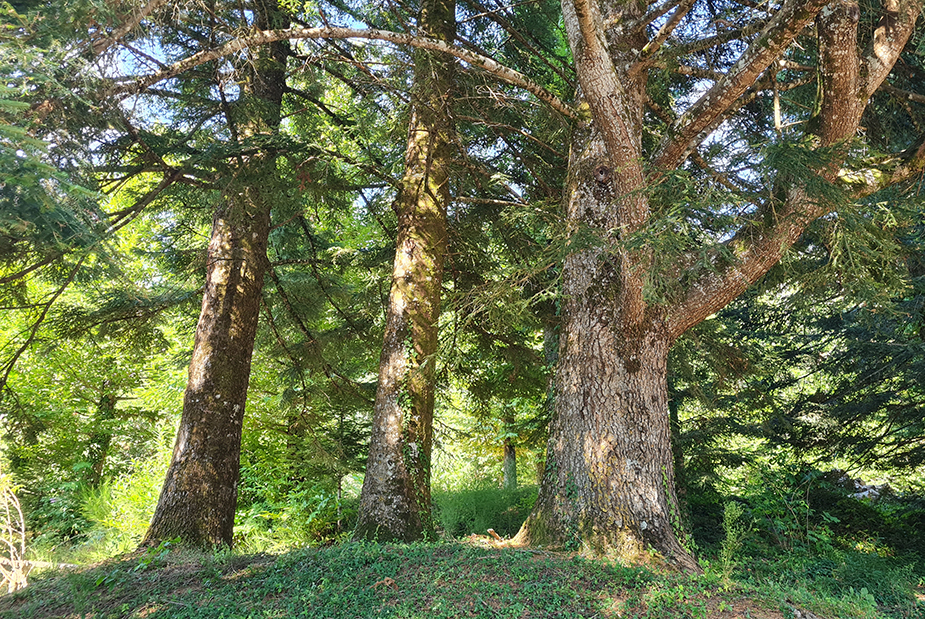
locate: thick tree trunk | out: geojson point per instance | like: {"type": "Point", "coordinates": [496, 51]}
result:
{"type": "Point", "coordinates": [198, 500]}
{"type": "Point", "coordinates": [395, 500]}
{"type": "Point", "coordinates": [609, 483]}
{"type": "Point", "coordinates": [608, 487]}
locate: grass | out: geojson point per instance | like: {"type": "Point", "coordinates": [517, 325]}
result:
{"type": "Point", "coordinates": [439, 580]}
{"type": "Point", "coordinates": [850, 559]}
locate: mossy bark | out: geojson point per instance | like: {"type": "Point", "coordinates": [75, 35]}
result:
{"type": "Point", "coordinates": [395, 502]}
{"type": "Point", "coordinates": [199, 496]}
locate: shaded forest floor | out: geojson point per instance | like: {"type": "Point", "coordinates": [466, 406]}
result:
{"type": "Point", "coordinates": [459, 579]}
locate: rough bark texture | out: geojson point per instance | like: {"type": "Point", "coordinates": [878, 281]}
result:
{"type": "Point", "coordinates": [198, 500]}
{"type": "Point", "coordinates": [395, 502]}
{"type": "Point", "coordinates": [609, 484]}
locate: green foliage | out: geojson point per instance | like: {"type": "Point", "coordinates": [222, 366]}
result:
{"type": "Point", "coordinates": [735, 531]}
{"type": "Point", "coordinates": [120, 509]}
{"type": "Point", "coordinates": [474, 511]}
{"type": "Point", "coordinates": [301, 516]}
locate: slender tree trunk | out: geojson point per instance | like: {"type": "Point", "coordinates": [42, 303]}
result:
{"type": "Point", "coordinates": [509, 459]}
{"type": "Point", "coordinates": [199, 496]}
{"type": "Point", "coordinates": [100, 440]}
{"type": "Point", "coordinates": [395, 500]}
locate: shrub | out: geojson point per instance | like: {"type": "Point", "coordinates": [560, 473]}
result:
{"type": "Point", "coordinates": [476, 510]}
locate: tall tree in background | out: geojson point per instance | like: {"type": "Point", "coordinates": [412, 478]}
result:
{"type": "Point", "coordinates": [199, 496]}
{"type": "Point", "coordinates": [609, 482]}
{"type": "Point", "coordinates": [395, 500]}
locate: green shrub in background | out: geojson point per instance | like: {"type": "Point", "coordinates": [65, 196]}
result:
{"type": "Point", "coordinates": [735, 530]}
{"type": "Point", "coordinates": [476, 510]}
{"type": "Point", "coordinates": [120, 509]}
{"type": "Point", "coordinates": [54, 515]}
{"type": "Point", "coordinates": [303, 516]}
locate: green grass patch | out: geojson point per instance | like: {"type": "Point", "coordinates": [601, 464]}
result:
{"type": "Point", "coordinates": [356, 581]}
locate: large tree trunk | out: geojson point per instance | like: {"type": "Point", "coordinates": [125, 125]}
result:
{"type": "Point", "coordinates": [199, 496]}
{"type": "Point", "coordinates": [395, 500]}
{"type": "Point", "coordinates": [608, 486]}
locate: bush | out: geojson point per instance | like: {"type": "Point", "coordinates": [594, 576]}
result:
{"type": "Point", "coordinates": [476, 510]}
{"type": "Point", "coordinates": [303, 516]}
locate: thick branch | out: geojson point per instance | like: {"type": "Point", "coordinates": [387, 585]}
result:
{"type": "Point", "coordinates": [606, 94]}
{"type": "Point", "coordinates": [780, 31]}
{"type": "Point", "coordinates": [757, 246]}
{"type": "Point", "coordinates": [883, 174]}
{"type": "Point", "coordinates": [103, 44]}
{"type": "Point", "coordinates": [264, 37]}
{"type": "Point", "coordinates": [667, 28]}
{"type": "Point", "coordinates": [890, 37]}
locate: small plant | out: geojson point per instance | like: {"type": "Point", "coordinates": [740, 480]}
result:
{"type": "Point", "coordinates": [13, 566]}
{"type": "Point", "coordinates": [155, 554]}
{"type": "Point", "coordinates": [735, 531]}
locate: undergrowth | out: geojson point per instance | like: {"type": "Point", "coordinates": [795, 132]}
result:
{"type": "Point", "coordinates": [775, 540]}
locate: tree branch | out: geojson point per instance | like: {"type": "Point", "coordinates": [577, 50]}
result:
{"type": "Point", "coordinates": [890, 37]}
{"type": "Point", "coordinates": [758, 246]}
{"type": "Point", "coordinates": [886, 173]}
{"type": "Point", "coordinates": [33, 331]}
{"type": "Point", "coordinates": [101, 45]}
{"type": "Point", "coordinates": [264, 37]}
{"type": "Point", "coordinates": [776, 36]}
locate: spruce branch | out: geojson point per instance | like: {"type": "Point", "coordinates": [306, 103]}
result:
{"type": "Point", "coordinates": [776, 36]}
{"type": "Point", "coordinates": [762, 241]}
{"type": "Point", "coordinates": [133, 86]}
{"type": "Point", "coordinates": [102, 44]}
{"type": "Point", "coordinates": [10, 363]}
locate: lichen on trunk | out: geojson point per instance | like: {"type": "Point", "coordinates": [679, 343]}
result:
{"type": "Point", "coordinates": [395, 499]}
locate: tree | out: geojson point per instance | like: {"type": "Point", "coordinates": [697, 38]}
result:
{"type": "Point", "coordinates": [395, 500]}
{"type": "Point", "coordinates": [199, 496]}
{"type": "Point", "coordinates": [609, 482]}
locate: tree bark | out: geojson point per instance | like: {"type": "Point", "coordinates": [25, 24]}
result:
{"type": "Point", "coordinates": [509, 465]}
{"type": "Point", "coordinates": [509, 452]}
{"type": "Point", "coordinates": [199, 496]}
{"type": "Point", "coordinates": [395, 502]}
{"type": "Point", "coordinates": [608, 487]}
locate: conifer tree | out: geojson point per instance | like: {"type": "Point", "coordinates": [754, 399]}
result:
{"type": "Point", "coordinates": [199, 496]}
{"type": "Point", "coordinates": [609, 483]}
{"type": "Point", "coordinates": [395, 500]}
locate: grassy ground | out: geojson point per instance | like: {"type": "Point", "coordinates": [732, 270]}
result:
{"type": "Point", "coordinates": [459, 579]}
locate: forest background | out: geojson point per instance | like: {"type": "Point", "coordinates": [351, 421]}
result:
{"type": "Point", "coordinates": [115, 162]}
